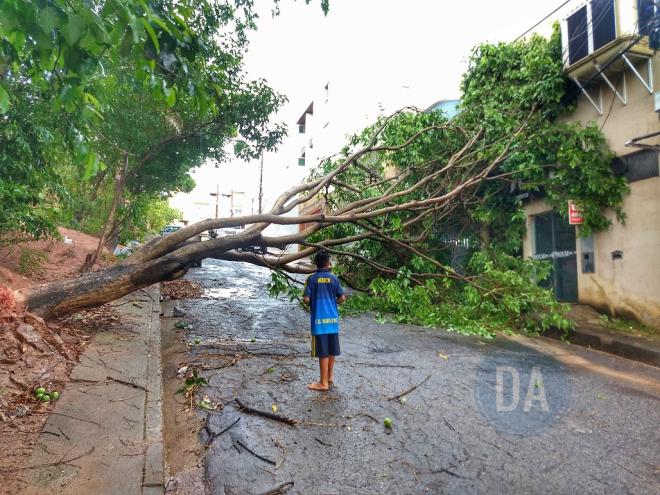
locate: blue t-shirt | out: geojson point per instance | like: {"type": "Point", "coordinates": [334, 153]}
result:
{"type": "Point", "coordinates": [323, 289]}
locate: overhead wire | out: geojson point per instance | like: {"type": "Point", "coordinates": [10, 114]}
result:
{"type": "Point", "coordinates": [545, 18]}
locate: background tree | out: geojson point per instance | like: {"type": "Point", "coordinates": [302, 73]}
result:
{"type": "Point", "coordinates": [95, 70]}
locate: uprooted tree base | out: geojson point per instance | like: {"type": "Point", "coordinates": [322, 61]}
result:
{"type": "Point", "coordinates": [34, 354]}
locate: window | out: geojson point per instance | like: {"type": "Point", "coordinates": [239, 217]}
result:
{"type": "Point", "coordinates": [301, 160]}
{"type": "Point", "coordinates": [603, 22]}
{"type": "Point", "coordinates": [578, 40]}
{"type": "Point", "coordinates": [301, 128]}
{"type": "Point", "coordinates": [646, 11]}
{"type": "Point", "coordinates": [590, 28]}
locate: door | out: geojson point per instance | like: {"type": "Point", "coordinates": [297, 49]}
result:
{"type": "Point", "coordinates": [554, 240]}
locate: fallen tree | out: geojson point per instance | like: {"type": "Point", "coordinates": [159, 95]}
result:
{"type": "Point", "coordinates": [168, 257]}
{"type": "Point", "coordinates": [402, 193]}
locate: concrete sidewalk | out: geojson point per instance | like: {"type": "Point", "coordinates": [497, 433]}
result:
{"type": "Point", "coordinates": [104, 436]}
{"type": "Point", "coordinates": [589, 332]}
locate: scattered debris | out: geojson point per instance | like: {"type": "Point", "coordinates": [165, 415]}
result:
{"type": "Point", "coordinates": [265, 459]}
{"type": "Point", "coordinates": [48, 464]}
{"type": "Point", "coordinates": [406, 392]}
{"type": "Point", "coordinates": [183, 325]}
{"type": "Point", "coordinates": [177, 312]}
{"type": "Point", "coordinates": [181, 289]}
{"type": "Point", "coordinates": [377, 365]}
{"type": "Point", "coordinates": [124, 382]}
{"type": "Point", "coordinates": [366, 415]}
{"type": "Point", "coordinates": [191, 386]}
{"type": "Point", "coordinates": [279, 490]}
{"type": "Point", "coordinates": [266, 414]}
{"type": "Point", "coordinates": [207, 405]}
{"type": "Point", "coordinates": [213, 436]}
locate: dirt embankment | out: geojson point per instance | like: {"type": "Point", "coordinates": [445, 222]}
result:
{"type": "Point", "coordinates": [24, 264]}
{"type": "Point", "coordinates": [35, 353]}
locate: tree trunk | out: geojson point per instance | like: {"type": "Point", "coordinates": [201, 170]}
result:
{"type": "Point", "coordinates": [484, 237]}
{"type": "Point", "coordinates": [97, 288]}
{"type": "Point", "coordinates": [120, 178]}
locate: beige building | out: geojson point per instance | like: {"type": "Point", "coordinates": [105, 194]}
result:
{"type": "Point", "coordinates": [607, 52]}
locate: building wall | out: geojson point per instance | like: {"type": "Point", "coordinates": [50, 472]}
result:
{"type": "Point", "coordinates": [624, 122]}
{"type": "Point", "coordinates": [629, 286]}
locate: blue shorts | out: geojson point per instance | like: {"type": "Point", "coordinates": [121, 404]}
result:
{"type": "Point", "coordinates": [325, 345]}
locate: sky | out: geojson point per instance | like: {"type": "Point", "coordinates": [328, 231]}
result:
{"type": "Point", "coordinates": [377, 55]}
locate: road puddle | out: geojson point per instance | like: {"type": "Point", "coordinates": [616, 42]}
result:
{"type": "Point", "coordinates": [227, 293]}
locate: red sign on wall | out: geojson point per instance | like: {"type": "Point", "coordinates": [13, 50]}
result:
{"type": "Point", "coordinates": [574, 214]}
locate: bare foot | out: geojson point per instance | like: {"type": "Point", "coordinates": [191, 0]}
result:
{"type": "Point", "coordinates": [319, 387]}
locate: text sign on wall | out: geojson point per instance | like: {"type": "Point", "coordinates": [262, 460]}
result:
{"type": "Point", "coordinates": [574, 214]}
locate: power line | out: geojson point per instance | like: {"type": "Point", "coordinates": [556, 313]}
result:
{"type": "Point", "coordinates": [546, 17]}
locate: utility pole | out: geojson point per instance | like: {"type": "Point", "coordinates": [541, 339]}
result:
{"type": "Point", "coordinates": [261, 181]}
{"type": "Point", "coordinates": [217, 199]}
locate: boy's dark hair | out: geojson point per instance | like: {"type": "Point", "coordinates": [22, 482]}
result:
{"type": "Point", "coordinates": [322, 259]}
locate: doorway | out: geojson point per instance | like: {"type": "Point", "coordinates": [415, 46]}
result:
{"type": "Point", "coordinates": [554, 240]}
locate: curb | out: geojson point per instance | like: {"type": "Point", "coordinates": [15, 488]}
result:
{"type": "Point", "coordinates": [626, 346]}
{"type": "Point", "coordinates": [153, 481]}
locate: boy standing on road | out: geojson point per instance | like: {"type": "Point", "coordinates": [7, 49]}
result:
{"type": "Point", "coordinates": [323, 292]}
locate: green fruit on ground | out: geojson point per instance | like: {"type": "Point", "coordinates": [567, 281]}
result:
{"type": "Point", "coordinates": [55, 395]}
{"type": "Point", "coordinates": [45, 398]}
{"type": "Point", "coordinates": [40, 395]}
{"type": "Point", "coordinates": [388, 422]}
{"type": "Point", "coordinates": [40, 390]}
{"type": "Point", "coordinates": [197, 341]}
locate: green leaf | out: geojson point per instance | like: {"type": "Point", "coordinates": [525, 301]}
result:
{"type": "Point", "coordinates": [170, 96]}
{"type": "Point", "coordinates": [49, 19]}
{"type": "Point", "coordinates": [4, 100]}
{"type": "Point", "coordinates": [91, 166]}
{"type": "Point", "coordinates": [152, 34]}
{"type": "Point", "coordinates": [73, 29]}
{"type": "Point", "coordinates": [157, 20]}
{"type": "Point", "coordinates": [136, 29]}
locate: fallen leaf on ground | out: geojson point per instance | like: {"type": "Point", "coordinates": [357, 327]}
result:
{"type": "Point", "coordinates": [182, 289]}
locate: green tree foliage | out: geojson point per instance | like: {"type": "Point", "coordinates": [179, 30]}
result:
{"type": "Point", "coordinates": [461, 267]}
{"type": "Point", "coordinates": [159, 81]}
{"type": "Point", "coordinates": [29, 139]}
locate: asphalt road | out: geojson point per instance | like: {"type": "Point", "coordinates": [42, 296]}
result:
{"type": "Point", "coordinates": [512, 415]}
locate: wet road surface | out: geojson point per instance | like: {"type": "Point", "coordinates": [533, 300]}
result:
{"type": "Point", "coordinates": [504, 416]}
